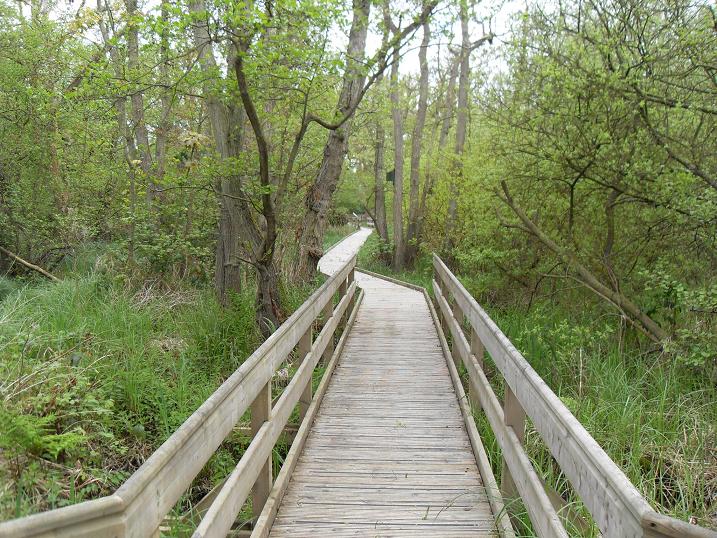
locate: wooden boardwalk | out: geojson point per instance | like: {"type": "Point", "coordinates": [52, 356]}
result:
{"type": "Point", "coordinates": [388, 453]}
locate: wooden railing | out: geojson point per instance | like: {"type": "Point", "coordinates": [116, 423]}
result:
{"type": "Point", "coordinates": [616, 506]}
{"type": "Point", "coordinates": [141, 504]}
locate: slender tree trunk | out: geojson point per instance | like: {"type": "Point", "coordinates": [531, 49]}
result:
{"type": "Point", "coordinates": [416, 145]}
{"type": "Point", "coordinates": [268, 308]}
{"type": "Point", "coordinates": [461, 126]}
{"type": "Point", "coordinates": [436, 153]}
{"type": "Point", "coordinates": [379, 168]}
{"type": "Point", "coordinates": [140, 132]}
{"type": "Point", "coordinates": [164, 121]}
{"type": "Point", "coordinates": [123, 128]}
{"type": "Point", "coordinates": [396, 114]}
{"type": "Point", "coordinates": [379, 173]}
{"type": "Point", "coordinates": [319, 195]}
{"type": "Point", "coordinates": [227, 126]}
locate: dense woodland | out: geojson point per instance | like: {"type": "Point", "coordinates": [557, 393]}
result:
{"type": "Point", "coordinates": [170, 173]}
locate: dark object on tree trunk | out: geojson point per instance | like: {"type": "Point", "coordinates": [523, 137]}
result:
{"type": "Point", "coordinates": [391, 176]}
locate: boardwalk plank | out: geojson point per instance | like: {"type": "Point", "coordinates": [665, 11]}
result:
{"type": "Point", "coordinates": [388, 453]}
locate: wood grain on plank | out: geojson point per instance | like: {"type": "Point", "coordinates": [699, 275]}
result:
{"type": "Point", "coordinates": [388, 453]}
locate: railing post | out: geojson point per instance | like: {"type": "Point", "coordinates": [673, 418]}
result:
{"type": "Point", "coordinates": [441, 315]}
{"type": "Point", "coordinates": [304, 348]}
{"type": "Point", "coordinates": [260, 412]}
{"type": "Point", "coordinates": [514, 417]}
{"type": "Point", "coordinates": [349, 309]}
{"type": "Point", "coordinates": [342, 292]}
{"type": "Point", "coordinates": [327, 313]}
{"type": "Point", "coordinates": [458, 316]}
{"type": "Point", "coordinates": [478, 351]}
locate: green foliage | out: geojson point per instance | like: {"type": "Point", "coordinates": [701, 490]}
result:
{"type": "Point", "coordinates": [93, 370]}
{"type": "Point", "coordinates": [653, 417]}
{"type": "Point", "coordinates": [334, 234]}
{"type": "Point", "coordinates": [27, 434]}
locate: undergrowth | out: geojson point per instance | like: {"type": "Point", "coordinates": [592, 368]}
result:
{"type": "Point", "coordinates": [98, 370]}
{"type": "Point", "coordinates": [334, 234]}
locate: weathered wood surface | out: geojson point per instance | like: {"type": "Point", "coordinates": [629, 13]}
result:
{"type": "Point", "coordinates": [388, 453]}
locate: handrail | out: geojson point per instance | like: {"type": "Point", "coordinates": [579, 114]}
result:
{"type": "Point", "coordinates": [140, 505]}
{"type": "Point", "coordinates": [617, 507]}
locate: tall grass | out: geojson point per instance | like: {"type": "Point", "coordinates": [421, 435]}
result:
{"type": "Point", "coordinates": [653, 416]}
{"type": "Point", "coordinates": [375, 257]}
{"type": "Point", "coordinates": [334, 234]}
{"type": "Point", "coordinates": [98, 370]}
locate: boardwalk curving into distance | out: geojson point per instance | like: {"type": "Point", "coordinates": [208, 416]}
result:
{"type": "Point", "coordinates": [388, 453]}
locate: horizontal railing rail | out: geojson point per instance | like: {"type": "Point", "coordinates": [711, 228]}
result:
{"type": "Point", "coordinates": [616, 506]}
{"type": "Point", "coordinates": [141, 504]}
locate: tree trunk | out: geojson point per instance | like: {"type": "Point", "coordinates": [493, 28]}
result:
{"type": "Point", "coordinates": [461, 126]}
{"type": "Point", "coordinates": [139, 129]}
{"type": "Point", "coordinates": [379, 172]}
{"type": "Point", "coordinates": [268, 304]}
{"type": "Point", "coordinates": [396, 114]}
{"type": "Point", "coordinates": [164, 121]}
{"type": "Point", "coordinates": [319, 195]}
{"type": "Point", "coordinates": [445, 127]}
{"type": "Point", "coordinates": [416, 145]}
{"type": "Point", "coordinates": [227, 129]}
{"type": "Point", "coordinates": [123, 128]}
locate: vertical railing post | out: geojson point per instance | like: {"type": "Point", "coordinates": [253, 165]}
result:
{"type": "Point", "coordinates": [342, 292]}
{"type": "Point", "coordinates": [441, 315]}
{"type": "Point", "coordinates": [350, 307]}
{"type": "Point", "coordinates": [478, 351]}
{"type": "Point", "coordinates": [260, 412]}
{"type": "Point", "coordinates": [303, 349]}
{"type": "Point", "coordinates": [326, 313]}
{"type": "Point", "coordinates": [514, 417]}
{"type": "Point", "coordinates": [458, 316]}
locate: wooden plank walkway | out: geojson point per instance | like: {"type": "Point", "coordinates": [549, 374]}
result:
{"type": "Point", "coordinates": [388, 454]}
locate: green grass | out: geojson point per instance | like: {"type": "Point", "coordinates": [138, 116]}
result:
{"type": "Point", "coordinates": [96, 372]}
{"type": "Point", "coordinates": [373, 256]}
{"type": "Point", "coordinates": [334, 234]}
{"type": "Point", "coordinates": [8, 286]}
{"type": "Point", "coordinates": [654, 416]}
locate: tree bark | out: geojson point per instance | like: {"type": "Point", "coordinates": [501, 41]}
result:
{"type": "Point", "coordinates": [164, 121]}
{"type": "Point", "coordinates": [379, 168]}
{"type": "Point", "coordinates": [139, 127]}
{"type": "Point", "coordinates": [633, 313]}
{"type": "Point", "coordinates": [397, 115]}
{"type": "Point", "coordinates": [319, 195]}
{"type": "Point", "coordinates": [124, 130]}
{"type": "Point", "coordinates": [416, 145]}
{"type": "Point", "coordinates": [268, 307]}
{"type": "Point", "coordinates": [461, 126]}
{"type": "Point", "coordinates": [227, 129]}
{"type": "Point", "coordinates": [379, 173]}
{"type": "Point", "coordinates": [29, 265]}
{"type": "Point", "coordinates": [445, 127]}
